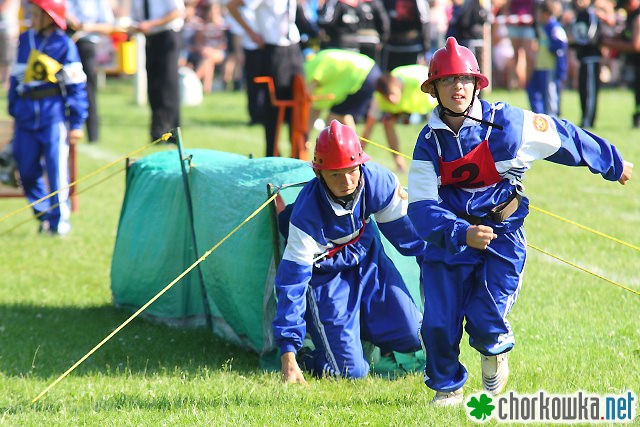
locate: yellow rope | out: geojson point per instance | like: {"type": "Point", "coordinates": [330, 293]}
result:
{"type": "Point", "coordinates": [39, 214]}
{"type": "Point", "coordinates": [584, 227]}
{"type": "Point", "coordinates": [385, 148]}
{"type": "Point", "coordinates": [152, 300]}
{"type": "Point", "coordinates": [164, 137]}
{"type": "Point", "coordinates": [583, 269]}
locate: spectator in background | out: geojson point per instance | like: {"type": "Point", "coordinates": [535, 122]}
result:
{"type": "Point", "coordinates": [520, 28]}
{"type": "Point", "coordinates": [257, 93]}
{"type": "Point", "coordinates": [545, 85]}
{"type": "Point", "coordinates": [208, 46]}
{"type": "Point", "coordinates": [357, 25]}
{"type": "Point", "coordinates": [9, 31]}
{"type": "Point", "coordinates": [410, 34]}
{"type": "Point", "coordinates": [234, 58]}
{"type": "Point", "coordinates": [193, 23]}
{"type": "Point", "coordinates": [466, 25]}
{"type": "Point", "coordinates": [161, 22]}
{"type": "Point", "coordinates": [275, 32]}
{"type": "Point", "coordinates": [629, 43]}
{"type": "Point", "coordinates": [87, 20]}
{"type": "Point", "coordinates": [439, 14]}
{"type": "Point", "coordinates": [501, 47]}
{"type": "Point", "coordinates": [585, 40]}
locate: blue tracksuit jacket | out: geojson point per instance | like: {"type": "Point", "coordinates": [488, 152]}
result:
{"type": "Point", "coordinates": [357, 293]}
{"type": "Point", "coordinates": [462, 282]}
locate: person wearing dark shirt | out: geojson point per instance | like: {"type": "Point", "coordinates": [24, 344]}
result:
{"type": "Point", "coordinates": [629, 43]}
{"type": "Point", "coordinates": [585, 40]}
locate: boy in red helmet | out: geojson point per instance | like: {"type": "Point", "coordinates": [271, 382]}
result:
{"type": "Point", "coordinates": [335, 280]}
{"type": "Point", "coordinates": [466, 201]}
{"type": "Point", "coordinates": [48, 100]}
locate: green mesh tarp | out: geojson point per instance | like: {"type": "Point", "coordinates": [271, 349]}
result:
{"type": "Point", "coordinates": [154, 242]}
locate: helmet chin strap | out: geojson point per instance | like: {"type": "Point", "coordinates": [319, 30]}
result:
{"type": "Point", "coordinates": [446, 111]}
{"type": "Point", "coordinates": [345, 201]}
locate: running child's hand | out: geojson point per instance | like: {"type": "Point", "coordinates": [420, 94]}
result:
{"type": "Point", "coordinates": [479, 236]}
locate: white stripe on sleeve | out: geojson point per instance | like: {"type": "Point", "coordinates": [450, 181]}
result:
{"type": "Point", "coordinates": [423, 181]}
{"type": "Point", "coordinates": [301, 248]}
{"type": "Point", "coordinates": [540, 138]}
{"type": "Point", "coordinates": [74, 73]}
{"type": "Point", "coordinates": [397, 207]}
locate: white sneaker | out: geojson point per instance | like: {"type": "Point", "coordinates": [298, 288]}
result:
{"type": "Point", "coordinates": [448, 398]}
{"type": "Point", "coordinates": [495, 373]}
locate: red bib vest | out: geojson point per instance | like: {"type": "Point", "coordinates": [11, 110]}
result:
{"type": "Point", "coordinates": [476, 169]}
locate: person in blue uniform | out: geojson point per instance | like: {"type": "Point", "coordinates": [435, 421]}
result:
{"type": "Point", "coordinates": [335, 280]}
{"type": "Point", "coordinates": [466, 201]}
{"type": "Point", "coordinates": [545, 84]}
{"type": "Point", "coordinates": [48, 100]}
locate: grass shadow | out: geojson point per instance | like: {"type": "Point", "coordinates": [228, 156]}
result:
{"type": "Point", "coordinates": [46, 341]}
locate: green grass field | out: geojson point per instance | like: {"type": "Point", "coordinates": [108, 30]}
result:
{"type": "Point", "coordinates": [574, 331]}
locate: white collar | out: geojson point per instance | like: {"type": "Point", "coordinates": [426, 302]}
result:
{"type": "Point", "coordinates": [435, 122]}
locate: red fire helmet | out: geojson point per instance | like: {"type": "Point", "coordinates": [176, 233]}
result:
{"type": "Point", "coordinates": [56, 9]}
{"type": "Point", "coordinates": [453, 60]}
{"type": "Point", "coordinates": [338, 147]}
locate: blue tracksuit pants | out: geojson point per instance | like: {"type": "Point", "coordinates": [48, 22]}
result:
{"type": "Point", "coordinates": [32, 148]}
{"type": "Point", "coordinates": [482, 290]}
{"type": "Point", "coordinates": [543, 90]}
{"type": "Point", "coordinates": [368, 301]}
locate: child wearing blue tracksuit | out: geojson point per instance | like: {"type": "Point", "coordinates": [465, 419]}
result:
{"type": "Point", "coordinates": [48, 101]}
{"type": "Point", "coordinates": [545, 84]}
{"type": "Point", "coordinates": [465, 200]}
{"type": "Point", "coordinates": [335, 280]}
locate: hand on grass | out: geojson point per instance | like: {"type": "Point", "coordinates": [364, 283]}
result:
{"type": "Point", "coordinates": [479, 236]}
{"type": "Point", "coordinates": [291, 372]}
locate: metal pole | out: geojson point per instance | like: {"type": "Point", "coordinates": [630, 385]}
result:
{"type": "Point", "coordinates": [177, 136]}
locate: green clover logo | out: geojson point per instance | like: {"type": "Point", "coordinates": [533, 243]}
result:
{"type": "Point", "coordinates": [482, 408]}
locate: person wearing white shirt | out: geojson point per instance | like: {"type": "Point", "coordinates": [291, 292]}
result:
{"type": "Point", "coordinates": [161, 22]}
{"type": "Point", "coordinates": [274, 31]}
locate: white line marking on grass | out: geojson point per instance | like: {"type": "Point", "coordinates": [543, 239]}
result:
{"type": "Point", "coordinates": [95, 152]}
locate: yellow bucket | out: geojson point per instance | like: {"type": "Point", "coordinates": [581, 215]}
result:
{"type": "Point", "coordinates": [127, 57]}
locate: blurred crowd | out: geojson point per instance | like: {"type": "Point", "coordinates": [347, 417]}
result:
{"type": "Point", "coordinates": [392, 32]}
{"type": "Point", "coordinates": [213, 41]}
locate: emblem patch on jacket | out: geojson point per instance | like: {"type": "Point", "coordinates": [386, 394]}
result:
{"type": "Point", "coordinates": [540, 123]}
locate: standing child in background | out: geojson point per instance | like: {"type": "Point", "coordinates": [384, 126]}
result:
{"type": "Point", "coordinates": [585, 39]}
{"type": "Point", "coordinates": [466, 201]}
{"type": "Point", "coordinates": [48, 100]}
{"type": "Point", "coordinates": [545, 84]}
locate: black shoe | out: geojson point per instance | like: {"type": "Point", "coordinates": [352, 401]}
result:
{"type": "Point", "coordinates": [636, 120]}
